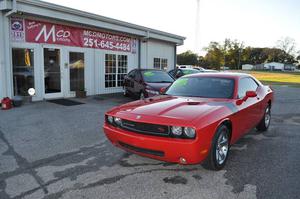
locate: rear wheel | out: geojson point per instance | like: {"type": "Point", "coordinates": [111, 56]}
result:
{"type": "Point", "coordinates": [265, 121]}
{"type": "Point", "coordinates": [219, 151]}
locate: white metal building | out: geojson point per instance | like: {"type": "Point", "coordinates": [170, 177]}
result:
{"type": "Point", "coordinates": [274, 66]}
{"type": "Point", "coordinates": [58, 50]}
{"type": "Point", "coordinates": [247, 67]}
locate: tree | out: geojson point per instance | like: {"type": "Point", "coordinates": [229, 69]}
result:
{"type": "Point", "coordinates": [214, 56]}
{"type": "Point", "coordinates": [287, 44]}
{"type": "Point", "coordinates": [187, 58]}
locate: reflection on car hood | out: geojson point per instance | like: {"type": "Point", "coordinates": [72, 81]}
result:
{"type": "Point", "coordinates": [183, 108]}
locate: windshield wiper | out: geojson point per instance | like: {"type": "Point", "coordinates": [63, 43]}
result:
{"type": "Point", "coordinates": [163, 82]}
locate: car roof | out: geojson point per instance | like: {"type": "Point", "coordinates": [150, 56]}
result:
{"type": "Point", "coordinates": [231, 75]}
{"type": "Point", "coordinates": [153, 69]}
{"type": "Point", "coordinates": [187, 69]}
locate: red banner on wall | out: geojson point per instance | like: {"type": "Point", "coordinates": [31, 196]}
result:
{"type": "Point", "coordinates": [49, 33]}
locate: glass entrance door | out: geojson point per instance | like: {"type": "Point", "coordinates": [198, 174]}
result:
{"type": "Point", "coordinates": [77, 65]}
{"type": "Point", "coordinates": [52, 73]}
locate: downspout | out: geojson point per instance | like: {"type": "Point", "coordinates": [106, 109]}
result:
{"type": "Point", "coordinates": [14, 9]}
{"type": "Point", "coordinates": [143, 39]}
{"type": "Point", "coordinates": [140, 54]}
{"type": "Point", "coordinates": [175, 56]}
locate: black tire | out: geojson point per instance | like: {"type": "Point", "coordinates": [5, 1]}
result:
{"type": "Point", "coordinates": [211, 162]}
{"type": "Point", "coordinates": [265, 121]}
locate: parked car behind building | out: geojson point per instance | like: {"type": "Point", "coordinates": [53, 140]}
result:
{"type": "Point", "coordinates": [179, 72]}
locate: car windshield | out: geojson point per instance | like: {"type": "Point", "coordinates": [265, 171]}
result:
{"type": "Point", "coordinates": [207, 87]}
{"type": "Point", "coordinates": [156, 76]}
{"type": "Point", "coordinates": [189, 71]}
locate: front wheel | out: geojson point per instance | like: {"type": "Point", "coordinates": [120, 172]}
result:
{"type": "Point", "coordinates": [125, 92]}
{"type": "Point", "coordinates": [265, 121]}
{"type": "Point", "coordinates": [219, 151]}
{"type": "Point", "coordinates": [142, 95]}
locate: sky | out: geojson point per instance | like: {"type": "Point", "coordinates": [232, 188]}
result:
{"type": "Point", "coordinates": [257, 23]}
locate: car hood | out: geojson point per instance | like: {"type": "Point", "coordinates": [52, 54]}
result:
{"type": "Point", "coordinates": [157, 86]}
{"type": "Point", "coordinates": [171, 107]}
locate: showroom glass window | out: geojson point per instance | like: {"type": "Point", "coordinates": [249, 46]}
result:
{"type": "Point", "coordinates": [23, 70]}
{"type": "Point", "coordinates": [246, 84]}
{"type": "Point", "coordinates": [122, 69]}
{"type": "Point", "coordinates": [116, 67]}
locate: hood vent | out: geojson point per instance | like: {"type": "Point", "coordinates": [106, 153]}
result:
{"type": "Point", "coordinates": [193, 103]}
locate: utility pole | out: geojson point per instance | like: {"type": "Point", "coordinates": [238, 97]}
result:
{"type": "Point", "coordinates": [239, 63]}
{"type": "Point", "coordinates": [240, 52]}
{"type": "Point", "coordinates": [197, 31]}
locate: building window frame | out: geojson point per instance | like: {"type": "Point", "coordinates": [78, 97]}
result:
{"type": "Point", "coordinates": [160, 63]}
{"type": "Point", "coordinates": [115, 69]}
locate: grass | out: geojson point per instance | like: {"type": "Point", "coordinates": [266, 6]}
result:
{"type": "Point", "coordinates": [277, 78]}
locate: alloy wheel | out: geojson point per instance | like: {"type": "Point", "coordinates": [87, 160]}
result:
{"type": "Point", "coordinates": [267, 116]}
{"type": "Point", "coordinates": [142, 96]}
{"type": "Point", "coordinates": [222, 148]}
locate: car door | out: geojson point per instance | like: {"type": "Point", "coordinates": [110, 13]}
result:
{"type": "Point", "coordinates": [129, 81]}
{"type": "Point", "coordinates": [249, 110]}
{"type": "Point", "coordinates": [138, 83]}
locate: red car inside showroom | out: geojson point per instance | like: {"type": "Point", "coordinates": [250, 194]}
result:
{"type": "Point", "coordinates": [195, 120]}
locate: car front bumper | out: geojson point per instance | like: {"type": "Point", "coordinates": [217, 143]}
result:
{"type": "Point", "coordinates": [182, 151]}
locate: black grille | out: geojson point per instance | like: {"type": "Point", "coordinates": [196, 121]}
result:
{"type": "Point", "coordinates": [142, 150]}
{"type": "Point", "coordinates": [145, 128]}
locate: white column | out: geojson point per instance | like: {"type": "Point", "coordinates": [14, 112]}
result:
{"type": "Point", "coordinates": [6, 48]}
{"type": "Point", "coordinates": [3, 92]}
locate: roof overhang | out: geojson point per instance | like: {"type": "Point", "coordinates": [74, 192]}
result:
{"type": "Point", "coordinates": [49, 10]}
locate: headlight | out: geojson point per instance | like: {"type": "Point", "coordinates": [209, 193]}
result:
{"type": "Point", "coordinates": [118, 121]}
{"type": "Point", "coordinates": [189, 132]}
{"type": "Point", "coordinates": [152, 92]}
{"type": "Point", "coordinates": [110, 119]}
{"type": "Point", "coordinates": [176, 130]}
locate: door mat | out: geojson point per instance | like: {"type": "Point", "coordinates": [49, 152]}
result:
{"type": "Point", "coordinates": [65, 102]}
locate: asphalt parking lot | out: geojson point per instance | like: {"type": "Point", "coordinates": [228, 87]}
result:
{"type": "Point", "coordinates": [53, 151]}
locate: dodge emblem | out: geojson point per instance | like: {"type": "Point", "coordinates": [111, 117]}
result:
{"type": "Point", "coordinates": [138, 117]}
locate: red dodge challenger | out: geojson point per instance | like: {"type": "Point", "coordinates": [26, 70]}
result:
{"type": "Point", "coordinates": [196, 119]}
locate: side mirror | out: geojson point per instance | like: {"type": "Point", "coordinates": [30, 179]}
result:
{"type": "Point", "coordinates": [251, 94]}
{"type": "Point", "coordinates": [177, 76]}
{"type": "Point", "coordinates": [162, 90]}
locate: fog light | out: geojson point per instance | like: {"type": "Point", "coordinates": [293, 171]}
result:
{"type": "Point", "coordinates": [182, 160]}
{"type": "Point", "coordinates": [118, 121]}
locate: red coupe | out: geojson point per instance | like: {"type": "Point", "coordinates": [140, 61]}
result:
{"type": "Point", "coordinates": [195, 120]}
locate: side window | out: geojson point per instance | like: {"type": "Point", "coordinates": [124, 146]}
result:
{"type": "Point", "coordinates": [172, 73]}
{"type": "Point", "coordinates": [246, 84]}
{"type": "Point", "coordinates": [132, 74]}
{"type": "Point", "coordinates": [179, 73]}
{"type": "Point", "coordinates": [137, 76]}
